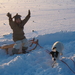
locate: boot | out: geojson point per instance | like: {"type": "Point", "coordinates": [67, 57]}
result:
{"type": "Point", "coordinates": [24, 49]}
{"type": "Point", "coordinates": [15, 51]}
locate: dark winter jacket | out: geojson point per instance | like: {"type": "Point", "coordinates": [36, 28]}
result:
{"type": "Point", "coordinates": [18, 33]}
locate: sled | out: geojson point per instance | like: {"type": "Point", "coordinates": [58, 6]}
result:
{"type": "Point", "coordinates": [8, 48]}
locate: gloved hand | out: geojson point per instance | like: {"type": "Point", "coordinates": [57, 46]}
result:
{"type": "Point", "coordinates": [9, 15]}
{"type": "Point", "coordinates": [29, 13]}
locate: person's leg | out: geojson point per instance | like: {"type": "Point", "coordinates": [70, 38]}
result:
{"type": "Point", "coordinates": [17, 46]}
{"type": "Point", "coordinates": [25, 45]}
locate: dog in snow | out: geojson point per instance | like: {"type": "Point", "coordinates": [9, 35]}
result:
{"type": "Point", "coordinates": [56, 51]}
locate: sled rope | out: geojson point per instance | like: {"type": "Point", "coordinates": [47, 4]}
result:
{"type": "Point", "coordinates": [64, 62]}
{"type": "Point", "coordinates": [68, 66]}
{"type": "Point", "coordinates": [73, 61]}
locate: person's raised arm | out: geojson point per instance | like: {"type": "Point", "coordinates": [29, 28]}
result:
{"type": "Point", "coordinates": [27, 17]}
{"type": "Point", "coordinates": [10, 19]}
{"type": "Point", "coordinates": [9, 16]}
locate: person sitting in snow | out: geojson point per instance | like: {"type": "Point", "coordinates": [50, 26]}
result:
{"type": "Point", "coordinates": [18, 34]}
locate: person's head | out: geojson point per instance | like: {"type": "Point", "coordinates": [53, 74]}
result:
{"type": "Point", "coordinates": [17, 18]}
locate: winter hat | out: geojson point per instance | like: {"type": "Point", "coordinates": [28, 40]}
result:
{"type": "Point", "coordinates": [17, 16]}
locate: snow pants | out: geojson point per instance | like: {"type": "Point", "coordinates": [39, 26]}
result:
{"type": "Point", "coordinates": [21, 43]}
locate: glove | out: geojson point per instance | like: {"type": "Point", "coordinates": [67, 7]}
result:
{"type": "Point", "coordinates": [29, 13]}
{"type": "Point", "coordinates": [9, 15]}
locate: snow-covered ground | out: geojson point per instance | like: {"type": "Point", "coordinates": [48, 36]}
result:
{"type": "Point", "coordinates": [51, 20]}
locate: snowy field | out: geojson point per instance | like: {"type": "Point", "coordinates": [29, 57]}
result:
{"type": "Point", "coordinates": [51, 20]}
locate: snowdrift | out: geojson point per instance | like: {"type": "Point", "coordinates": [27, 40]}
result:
{"type": "Point", "coordinates": [38, 62]}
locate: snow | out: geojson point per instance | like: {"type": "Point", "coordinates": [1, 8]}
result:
{"type": "Point", "coordinates": [51, 21]}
